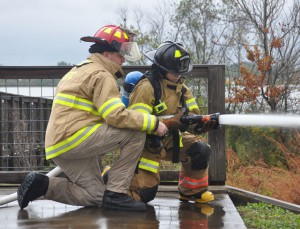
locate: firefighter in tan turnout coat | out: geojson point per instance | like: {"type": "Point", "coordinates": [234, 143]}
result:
{"type": "Point", "coordinates": [88, 119]}
{"type": "Point", "coordinates": [170, 61]}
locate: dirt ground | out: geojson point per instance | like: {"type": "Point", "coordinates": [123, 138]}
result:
{"type": "Point", "coordinates": [263, 179]}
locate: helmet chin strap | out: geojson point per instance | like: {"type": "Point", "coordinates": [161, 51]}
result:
{"type": "Point", "coordinates": [165, 77]}
{"type": "Point", "coordinates": [118, 74]}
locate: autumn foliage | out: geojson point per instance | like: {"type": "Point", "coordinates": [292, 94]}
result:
{"type": "Point", "coordinates": [257, 83]}
{"type": "Point", "coordinates": [264, 179]}
{"type": "Point", "coordinates": [270, 163]}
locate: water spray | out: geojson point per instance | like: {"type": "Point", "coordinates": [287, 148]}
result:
{"type": "Point", "coordinates": [264, 120]}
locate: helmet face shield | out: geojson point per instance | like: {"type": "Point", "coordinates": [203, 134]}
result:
{"type": "Point", "coordinates": [182, 64]}
{"type": "Point", "coordinates": [130, 51]}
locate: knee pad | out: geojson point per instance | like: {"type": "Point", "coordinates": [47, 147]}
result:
{"type": "Point", "coordinates": [199, 153]}
{"type": "Point", "coordinates": [148, 194]}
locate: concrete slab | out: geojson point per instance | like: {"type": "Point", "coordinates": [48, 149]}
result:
{"type": "Point", "coordinates": [165, 211]}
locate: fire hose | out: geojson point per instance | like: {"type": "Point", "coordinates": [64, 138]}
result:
{"type": "Point", "coordinates": [14, 196]}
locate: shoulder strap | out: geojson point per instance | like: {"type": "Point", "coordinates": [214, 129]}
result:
{"type": "Point", "coordinates": [83, 63]}
{"type": "Point", "coordinates": [156, 87]}
{"type": "Point", "coordinates": [183, 102]}
{"type": "Point", "coordinates": [157, 91]}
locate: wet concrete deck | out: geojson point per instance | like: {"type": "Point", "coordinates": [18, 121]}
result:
{"type": "Point", "coordinates": [165, 211]}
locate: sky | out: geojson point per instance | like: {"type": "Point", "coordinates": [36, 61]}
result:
{"type": "Point", "coordinates": [45, 32]}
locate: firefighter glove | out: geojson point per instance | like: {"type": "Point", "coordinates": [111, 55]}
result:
{"type": "Point", "coordinates": [174, 122]}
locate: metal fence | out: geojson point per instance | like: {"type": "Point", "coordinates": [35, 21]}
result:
{"type": "Point", "coordinates": [26, 95]}
{"type": "Point", "coordinates": [23, 124]}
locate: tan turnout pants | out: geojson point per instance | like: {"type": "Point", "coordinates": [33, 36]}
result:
{"type": "Point", "coordinates": [144, 179]}
{"type": "Point", "coordinates": [81, 165]}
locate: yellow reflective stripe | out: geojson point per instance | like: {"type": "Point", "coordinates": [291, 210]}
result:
{"type": "Point", "coordinates": [149, 122]}
{"type": "Point", "coordinates": [71, 142]}
{"type": "Point", "coordinates": [191, 104]}
{"type": "Point", "coordinates": [149, 165]}
{"type": "Point", "coordinates": [117, 34]}
{"type": "Point", "coordinates": [75, 102]}
{"type": "Point", "coordinates": [83, 63]}
{"type": "Point", "coordinates": [177, 54]}
{"type": "Point", "coordinates": [180, 139]}
{"type": "Point", "coordinates": [142, 107]}
{"type": "Point", "coordinates": [107, 30]}
{"type": "Point", "coordinates": [109, 106]}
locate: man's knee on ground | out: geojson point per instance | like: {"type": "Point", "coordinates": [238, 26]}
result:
{"type": "Point", "coordinates": [148, 194]}
{"type": "Point", "coordinates": [200, 154]}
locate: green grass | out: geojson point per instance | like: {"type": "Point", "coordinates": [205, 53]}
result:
{"type": "Point", "coordinates": [262, 215]}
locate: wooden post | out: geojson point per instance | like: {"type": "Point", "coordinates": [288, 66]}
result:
{"type": "Point", "coordinates": [1, 133]}
{"type": "Point", "coordinates": [216, 138]}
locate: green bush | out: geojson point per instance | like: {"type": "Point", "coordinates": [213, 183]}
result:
{"type": "Point", "coordinates": [262, 215]}
{"type": "Point", "coordinates": [251, 144]}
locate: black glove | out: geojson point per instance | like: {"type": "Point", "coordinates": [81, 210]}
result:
{"type": "Point", "coordinates": [214, 121]}
{"type": "Point", "coordinates": [153, 144]}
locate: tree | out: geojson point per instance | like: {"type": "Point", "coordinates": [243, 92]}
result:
{"type": "Point", "coordinates": [271, 79]}
{"type": "Point", "coordinates": [151, 28]}
{"type": "Point", "coordinates": [63, 63]}
{"type": "Point", "coordinates": [269, 76]}
{"type": "Point", "coordinates": [225, 32]}
{"type": "Point", "coordinates": [198, 25]}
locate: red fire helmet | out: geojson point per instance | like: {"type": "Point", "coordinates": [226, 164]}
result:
{"type": "Point", "coordinates": [117, 38]}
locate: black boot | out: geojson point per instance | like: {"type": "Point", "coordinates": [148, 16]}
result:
{"type": "Point", "coordinates": [121, 201]}
{"type": "Point", "coordinates": [34, 186]}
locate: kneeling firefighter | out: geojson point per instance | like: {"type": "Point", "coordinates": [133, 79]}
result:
{"type": "Point", "coordinates": [162, 92]}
